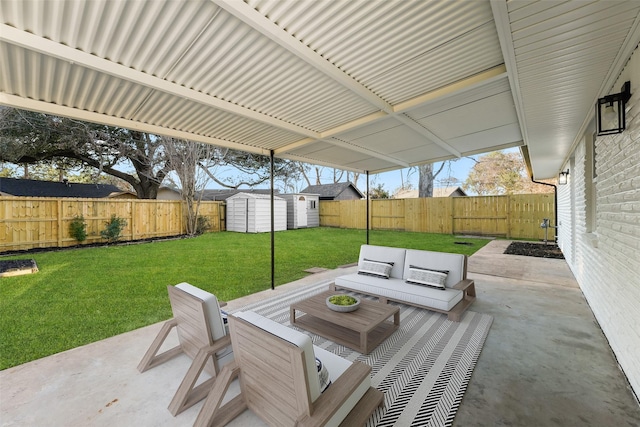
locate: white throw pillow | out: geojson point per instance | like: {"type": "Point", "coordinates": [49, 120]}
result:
{"type": "Point", "coordinates": [427, 277]}
{"type": "Point", "coordinates": [323, 375]}
{"type": "Point", "coordinates": [380, 269]}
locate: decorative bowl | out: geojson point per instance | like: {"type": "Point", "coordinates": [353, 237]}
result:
{"type": "Point", "coordinates": [343, 301]}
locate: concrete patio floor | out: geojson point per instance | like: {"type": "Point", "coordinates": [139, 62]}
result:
{"type": "Point", "coordinates": [545, 363]}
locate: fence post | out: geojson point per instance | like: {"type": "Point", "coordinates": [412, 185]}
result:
{"type": "Point", "coordinates": [133, 206]}
{"type": "Point", "coordinates": [508, 215]}
{"type": "Point", "coordinates": [60, 218]}
{"type": "Point", "coordinates": [453, 219]}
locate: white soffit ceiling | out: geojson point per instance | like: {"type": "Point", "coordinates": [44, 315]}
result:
{"type": "Point", "coordinates": [367, 85]}
{"type": "Point", "coordinates": [561, 57]}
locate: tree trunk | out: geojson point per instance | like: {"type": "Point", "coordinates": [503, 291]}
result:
{"type": "Point", "coordinates": [425, 181]}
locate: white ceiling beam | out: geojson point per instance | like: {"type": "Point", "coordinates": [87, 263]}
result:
{"type": "Point", "coordinates": [74, 56]}
{"type": "Point", "coordinates": [503, 26]}
{"type": "Point", "coordinates": [89, 116]}
{"type": "Point", "coordinates": [469, 83]}
{"type": "Point", "coordinates": [263, 25]}
{"type": "Point", "coordinates": [366, 151]}
{"type": "Point", "coordinates": [355, 124]}
{"type": "Point", "coordinates": [424, 132]}
{"type": "Point", "coordinates": [303, 159]}
{"type": "Point", "coordinates": [363, 121]}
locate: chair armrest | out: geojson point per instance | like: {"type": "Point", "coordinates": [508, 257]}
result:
{"type": "Point", "coordinates": [332, 399]}
{"type": "Point", "coordinates": [463, 284]}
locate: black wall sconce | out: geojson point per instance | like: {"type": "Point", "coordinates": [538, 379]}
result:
{"type": "Point", "coordinates": [610, 117]}
{"type": "Point", "coordinates": [563, 177]}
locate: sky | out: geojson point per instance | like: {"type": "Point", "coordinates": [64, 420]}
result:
{"type": "Point", "coordinates": [391, 181]}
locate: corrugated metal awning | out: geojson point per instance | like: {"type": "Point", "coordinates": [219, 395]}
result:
{"type": "Point", "coordinates": [357, 85]}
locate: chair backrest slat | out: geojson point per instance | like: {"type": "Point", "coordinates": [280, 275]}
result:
{"type": "Point", "coordinates": [193, 328]}
{"type": "Point", "coordinates": [273, 377]}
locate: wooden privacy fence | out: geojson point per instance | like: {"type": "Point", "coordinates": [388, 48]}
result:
{"type": "Point", "coordinates": [513, 216]}
{"type": "Point", "coordinates": [40, 222]}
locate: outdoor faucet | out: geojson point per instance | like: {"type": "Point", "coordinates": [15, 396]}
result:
{"type": "Point", "coordinates": [546, 226]}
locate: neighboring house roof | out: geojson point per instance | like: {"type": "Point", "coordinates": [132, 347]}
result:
{"type": "Point", "coordinates": [448, 192]}
{"type": "Point", "coordinates": [331, 191]}
{"type": "Point", "coordinates": [211, 195]}
{"type": "Point", "coordinates": [34, 188]}
{"type": "Point", "coordinates": [437, 192]}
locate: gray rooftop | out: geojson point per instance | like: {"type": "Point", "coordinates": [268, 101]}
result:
{"type": "Point", "coordinates": [34, 188]}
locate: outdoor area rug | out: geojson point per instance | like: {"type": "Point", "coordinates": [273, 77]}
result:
{"type": "Point", "coordinates": [423, 368]}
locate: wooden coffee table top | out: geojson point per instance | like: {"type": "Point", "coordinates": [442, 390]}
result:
{"type": "Point", "coordinates": [366, 317]}
{"type": "Point", "coordinates": [362, 329]}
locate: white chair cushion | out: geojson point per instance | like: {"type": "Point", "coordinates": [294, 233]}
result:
{"type": "Point", "coordinates": [337, 366]}
{"type": "Point", "coordinates": [296, 338]}
{"type": "Point", "coordinates": [212, 309]}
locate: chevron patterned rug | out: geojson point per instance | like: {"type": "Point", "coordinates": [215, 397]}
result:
{"type": "Point", "coordinates": [423, 368]}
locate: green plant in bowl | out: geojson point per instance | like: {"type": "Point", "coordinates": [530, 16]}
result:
{"type": "Point", "coordinates": [342, 300]}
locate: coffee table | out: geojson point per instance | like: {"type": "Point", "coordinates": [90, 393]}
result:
{"type": "Point", "coordinates": [362, 330]}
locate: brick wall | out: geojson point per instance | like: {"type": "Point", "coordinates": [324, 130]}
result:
{"type": "Point", "coordinates": [606, 260]}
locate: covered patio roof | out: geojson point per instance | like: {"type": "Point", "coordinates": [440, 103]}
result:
{"type": "Point", "coordinates": [357, 85]}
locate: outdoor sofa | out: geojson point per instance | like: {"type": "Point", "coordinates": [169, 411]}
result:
{"type": "Point", "coordinates": [432, 280]}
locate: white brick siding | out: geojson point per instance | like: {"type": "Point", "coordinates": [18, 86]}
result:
{"type": "Point", "coordinates": [606, 263]}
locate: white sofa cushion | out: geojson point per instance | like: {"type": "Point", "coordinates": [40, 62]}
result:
{"type": "Point", "coordinates": [384, 254]}
{"type": "Point", "coordinates": [454, 263]}
{"type": "Point", "coordinates": [398, 290]}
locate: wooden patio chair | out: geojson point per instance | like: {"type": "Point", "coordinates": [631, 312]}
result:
{"type": "Point", "coordinates": [279, 380]}
{"type": "Point", "coordinates": [202, 336]}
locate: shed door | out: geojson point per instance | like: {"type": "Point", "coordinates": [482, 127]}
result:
{"type": "Point", "coordinates": [301, 214]}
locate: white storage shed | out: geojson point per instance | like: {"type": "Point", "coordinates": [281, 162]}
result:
{"type": "Point", "coordinates": [251, 213]}
{"type": "Point", "coordinates": [303, 210]}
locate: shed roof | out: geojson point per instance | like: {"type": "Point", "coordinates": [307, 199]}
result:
{"type": "Point", "coordinates": [359, 85]}
{"type": "Point", "coordinates": [256, 196]}
{"type": "Point", "coordinates": [224, 194]}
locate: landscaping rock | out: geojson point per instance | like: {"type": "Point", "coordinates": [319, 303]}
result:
{"type": "Point", "coordinates": [534, 249]}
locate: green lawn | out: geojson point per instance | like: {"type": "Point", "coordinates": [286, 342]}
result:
{"type": "Point", "coordinates": [85, 295]}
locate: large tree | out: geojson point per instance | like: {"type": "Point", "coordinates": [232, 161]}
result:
{"type": "Point", "coordinates": [30, 138]}
{"type": "Point", "coordinates": [499, 173]}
